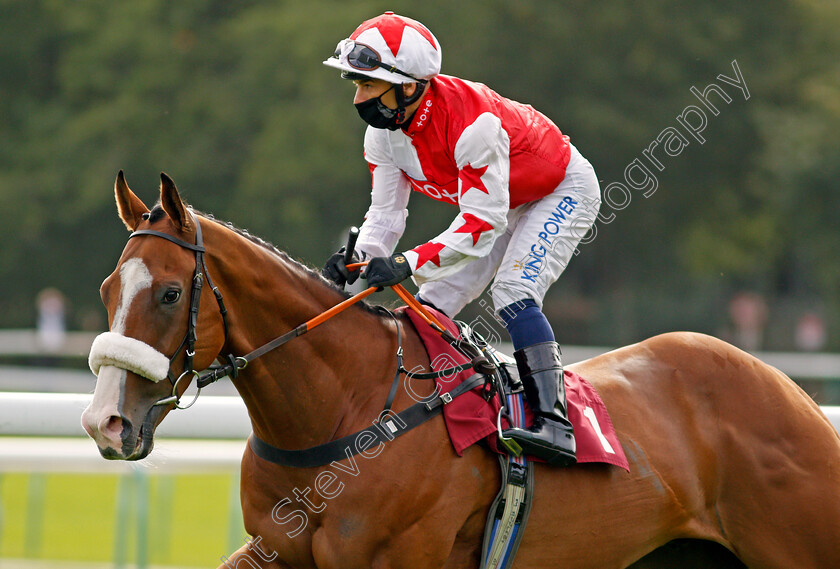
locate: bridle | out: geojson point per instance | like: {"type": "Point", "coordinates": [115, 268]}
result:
{"type": "Point", "coordinates": [487, 375]}
{"type": "Point", "coordinates": [188, 343]}
{"type": "Point", "coordinates": [234, 364]}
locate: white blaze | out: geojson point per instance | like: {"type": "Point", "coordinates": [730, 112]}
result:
{"type": "Point", "coordinates": [134, 278]}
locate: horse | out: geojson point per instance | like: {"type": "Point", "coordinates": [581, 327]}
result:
{"type": "Point", "coordinates": [731, 464]}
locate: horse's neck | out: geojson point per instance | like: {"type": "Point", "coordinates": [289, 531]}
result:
{"type": "Point", "coordinates": [302, 393]}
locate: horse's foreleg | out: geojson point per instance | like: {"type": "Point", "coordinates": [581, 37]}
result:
{"type": "Point", "coordinates": [252, 556]}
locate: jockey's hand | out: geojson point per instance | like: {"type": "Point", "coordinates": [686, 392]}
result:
{"type": "Point", "coordinates": [387, 271]}
{"type": "Point", "coordinates": [336, 271]}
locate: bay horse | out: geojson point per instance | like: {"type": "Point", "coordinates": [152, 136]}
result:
{"type": "Point", "coordinates": [731, 464]}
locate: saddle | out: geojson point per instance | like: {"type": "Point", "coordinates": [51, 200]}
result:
{"type": "Point", "coordinates": [479, 396]}
{"type": "Point", "coordinates": [479, 416]}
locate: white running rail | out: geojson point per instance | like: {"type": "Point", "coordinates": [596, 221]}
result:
{"type": "Point", "coordinates": [42, 432]}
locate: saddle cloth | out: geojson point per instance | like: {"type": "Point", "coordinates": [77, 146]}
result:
{"type": "Point", "coordinates": [469, 418]}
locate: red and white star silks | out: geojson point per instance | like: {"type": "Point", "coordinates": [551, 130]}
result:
{"type": "Point", "coordinates": [466, 146]}
{"type": "Point", "coordinates": [391, 30]}
{"type": "Point", "coordinates": [475, 226]}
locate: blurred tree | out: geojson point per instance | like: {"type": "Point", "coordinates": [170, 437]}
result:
{"type": "Point", "coordinates": [230, 98]}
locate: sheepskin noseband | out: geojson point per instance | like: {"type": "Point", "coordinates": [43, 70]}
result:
{"type": "Point", "coordinates": [112, 349]}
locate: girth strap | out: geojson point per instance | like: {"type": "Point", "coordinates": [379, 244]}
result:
{"type": "Point", "coordinates": [386, 428]}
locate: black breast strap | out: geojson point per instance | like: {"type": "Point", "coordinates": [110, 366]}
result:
{"type": "Point", "coordinates": [386, 428]}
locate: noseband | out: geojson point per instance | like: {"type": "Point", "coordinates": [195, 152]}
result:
{"type": "Point", "coordinates": [190, 338]}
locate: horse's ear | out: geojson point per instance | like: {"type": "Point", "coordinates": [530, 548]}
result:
{"type": "Point", "coordinates": [172, 204]}
{"type": "Point", "coordinates": [130, 207]}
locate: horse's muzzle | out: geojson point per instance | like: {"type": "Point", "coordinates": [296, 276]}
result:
{"type": "Point", "coordinates": [118, 436]}
{"type": "Point", "coordinates": [115, 437]}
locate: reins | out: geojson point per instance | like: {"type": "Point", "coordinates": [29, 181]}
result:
{"type": "Point", "coordinates": [388, 424]}
{"type": "Point", "coordinates": [234, 363]}
{"type": "Point", "coordinates": [387, 427]}
{"type": "Point", "coordinates": [478, 361]}
{"type": "Point", "coordinates": [237, 363]}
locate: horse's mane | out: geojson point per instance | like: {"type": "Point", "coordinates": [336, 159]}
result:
{"type": "Point", "coordinates": [309, 272]}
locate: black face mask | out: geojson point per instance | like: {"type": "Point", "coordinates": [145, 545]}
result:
{"type": "Point", "coordinates": [377, 115]}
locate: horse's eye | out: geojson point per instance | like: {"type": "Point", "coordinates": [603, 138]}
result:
{"type": "Point", "coordinates": [171, 296]}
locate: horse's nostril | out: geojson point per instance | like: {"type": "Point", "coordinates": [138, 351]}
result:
{"type": "Point", "coordinates": [112, 427]}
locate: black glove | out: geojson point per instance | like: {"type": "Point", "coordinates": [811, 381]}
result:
{"type": "Point", "coordinates": [336, 271]}
{"type": "Point", "coordinates": [387, 271]}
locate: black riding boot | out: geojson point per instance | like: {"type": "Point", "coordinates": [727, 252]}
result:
{"type": "Point", "coordinates": [551, 437]}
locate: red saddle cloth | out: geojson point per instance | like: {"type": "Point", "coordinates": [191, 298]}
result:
{"type": "Point", "coordinates": [469, 418]}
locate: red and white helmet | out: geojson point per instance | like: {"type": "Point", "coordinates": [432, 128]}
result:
{"type": "Point", "coordinates": [389, 47]}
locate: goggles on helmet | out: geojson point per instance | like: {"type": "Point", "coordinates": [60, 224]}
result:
{"type": "Point", "coordinates": [365, 58]}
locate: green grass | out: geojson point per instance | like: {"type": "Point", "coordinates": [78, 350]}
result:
{"type": "Point", "coordinates": [189, 520]}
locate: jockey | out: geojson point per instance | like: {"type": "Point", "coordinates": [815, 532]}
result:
{"type": "Point", "coordinates": [525, 198]}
